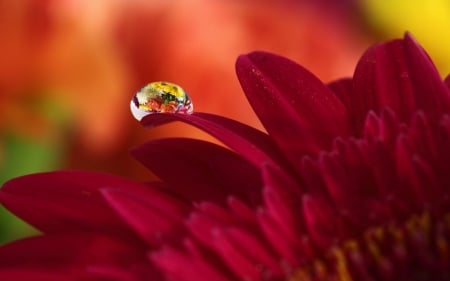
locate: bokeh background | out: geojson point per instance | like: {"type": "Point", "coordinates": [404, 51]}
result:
{"type": "Point", "coordinates": [68, 68]}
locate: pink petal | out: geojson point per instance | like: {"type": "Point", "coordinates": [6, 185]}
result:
{"type": "Point", "coordinates": [66, 201]}
{"type": "Point", "coordinates": [300, 113]}
{"type": "Point", "coordinates": [155, 219]}
{"type": "Point", "coordinates": [252, 144]}
{"type": "Point", "coordinates": [399, 75]}
{"type": "Point", "coordinates": [200, 170]}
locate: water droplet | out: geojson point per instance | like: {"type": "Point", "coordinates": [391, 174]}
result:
{"type": "Point", "coordinates": [160, 97]}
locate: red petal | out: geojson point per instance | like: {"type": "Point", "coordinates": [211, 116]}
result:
{"type": "Point", "coordinates": [244, 254]}
{"type": "Point", "coordinates": [282, 199]}
{"type": "Point", "coordinates": [352, 187]}
{"type": "Point", "coordinates": [241, 210]}
{"type": "Point", "coordinates": [300, 113]}
{"type": "Point", "coordinates": [200, 170]}
{"type": "Point", "coordinates": [155, 218]}
{"type": "Point", "coordinates": [182, 266]}
{"type": "Point", "coordinates": [321, 220]}
{"type": "Point", "coordinates": [72, 255]}
{"type": "Point", "coordinates": [421, 136]}
{"type": "Point", "coordinates": [252, 144]}
{"type": "Point", "coordinates": [407, 174]}
{"type": "Point", "coordinates": [22, 274]}
{"type": "Point", "coordinates": [399, 75]}
{"type": "Point", "coordinates": [432, 95]}
{"type": "Point", "coordinates": [277, 240]}
{"type": "Point", "coordinates": [343, 89]}
{"type": "Point", "coordinates": [66, 201]}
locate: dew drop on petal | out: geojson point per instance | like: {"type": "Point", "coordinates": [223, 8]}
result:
{"type": "Point", "coordinates": [160, 97]}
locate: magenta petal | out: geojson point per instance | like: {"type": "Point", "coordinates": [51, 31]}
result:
{"type": "Point", "coordinates": [342, 88]}
{"type": "Point", "coordinates": [66, 201]}
{"type": "Point", "coordinates": [241, 210]}
{"type": "Point", "coordinates": [254, 145]}
{"type": "Point", "coordinates": [200, 170]}
{"type": "Point", "coordinates": [248, 257]}
{"type": "Point", "coordinates": [189, 266]}
{"type": "Point", "coordinates": [399, 75]}
{"type": "Point", "coordinates": [21, 274]}
{"type": "Point", "coordinates": [71, 255]}
{"type": "Point", "coordinates": [282, 198]}
{"type": "Point", "coordinates": [155, 218]}
{"type": "Point", "coordinates": [300, 113]}
{"type": "Point", "coordinates": [277, 240]}
{"type": "Point", "coordinates": [431, 93]}
{"type": "Point", "coordinates": [321, 221]}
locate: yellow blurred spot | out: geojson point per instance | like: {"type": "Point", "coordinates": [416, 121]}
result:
{"type": "Point", "coordinates": [341, 265]}
{"type": "Point", "coordinates": [427, 20]}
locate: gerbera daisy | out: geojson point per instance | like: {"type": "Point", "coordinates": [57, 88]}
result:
{"type": "Point", "coordinates": [350, 182]}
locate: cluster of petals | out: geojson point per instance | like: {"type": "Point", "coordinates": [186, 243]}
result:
{"type": "Point", "coordinates": [350, 181]}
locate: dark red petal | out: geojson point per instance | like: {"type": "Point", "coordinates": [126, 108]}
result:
{"type": "Point", "coordinates": [421, 136]}
{"type": "Point", "coordinates": [321, 221]}
{"type": "Point", "coordinates": [351, 186]}
{"type": "Point", "coordinates": [407, 174]}
{"type": "Point", "coordinates": [241, 210]}
{"type": "Point", "coordinates": [300, 113]}
{"type": "Point", "coordinates": [444, 152]}
{"type": "Point", "coordinates": [277, 240]}
{"type": "Point", "coordinates": [252, 144]}
{"type": "Point", "coordinates": [193, 265]}
{"type": "Point", "coordinates": [200, 170]}
{"type": "Point", "coordinates": [447, 81]}
{"type": "Point", "coordinates": [431, 94]}
{"type": "Point", "coordinates": [66, 201]}
{"type": "Point", "coordinates": [399, 75]}
{"type": "Point", "coordinates": [244, 254]}
{"type": "Point", "coordinates": [343, 89]}
{"type": "Point", "coordinates": [156, 219]}
{"type": "Point", "coordinates": [312, 177]}
{"type": "Point", "coordinates": [383, 168]}
{"type": "Point", "coordinates": [383, 129]}
{"type": "Point", "coordinates": [73, 255]}
{"type": "Point", "coordinates": [282, 200]}
{"type": "Point", "coordinates": [35, 274]}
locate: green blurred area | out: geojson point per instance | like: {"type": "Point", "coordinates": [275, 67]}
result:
{"type": "Point", "coordinates": [23, 154]}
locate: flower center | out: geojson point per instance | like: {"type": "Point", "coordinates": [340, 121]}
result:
{"type": "Point", "coordinates": [417, 249]}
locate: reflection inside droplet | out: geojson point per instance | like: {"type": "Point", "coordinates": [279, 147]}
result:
{"type": "Point", "coordinates": [160, 97]}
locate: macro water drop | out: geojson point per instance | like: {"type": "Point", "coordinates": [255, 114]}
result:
{"type": "Point", "coordinates": [160, 97]}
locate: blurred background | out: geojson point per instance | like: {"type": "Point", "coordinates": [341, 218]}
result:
{"type": "Point", "coordinates": [68, 68]}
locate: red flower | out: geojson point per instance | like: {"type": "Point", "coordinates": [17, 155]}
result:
{"type": "Point", "coordinates": [350, 182]}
